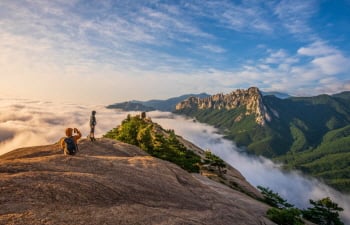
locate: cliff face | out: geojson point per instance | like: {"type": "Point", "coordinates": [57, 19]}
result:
{"type": "Point", "coordinates": [110, 182]}
{"type": "Point", "coordinates": [250, 99]}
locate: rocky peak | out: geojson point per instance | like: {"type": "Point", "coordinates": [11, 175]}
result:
{"type": "Point", "coordinates": [251, 99]}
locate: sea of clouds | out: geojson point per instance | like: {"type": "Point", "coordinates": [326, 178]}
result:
{"type": "Point", "coordinates": [29, 123]}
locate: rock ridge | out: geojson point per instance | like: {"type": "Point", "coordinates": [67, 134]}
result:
{"type": "Point", "coordinates": [250, 99]}
{"type": "Point", "coordinates": [110, 182]}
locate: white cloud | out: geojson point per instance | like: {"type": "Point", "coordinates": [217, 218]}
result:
{"type": "Point", "coordinates": [279, 70]}
{"type": "Point", "coordinates": [295, 15]}
{"type": "Point", "coordinates": [214, 49]}
{"type": "Point", "coordinates": [299, 74]}
{"type": "Point", "coordinates": [332, 64]}
{"type": "Point", "coordinates": [99, 55]}
{"type": "Point", "coordinates": [280, 57]}
{"type": "Point", "coordinates": [156, 49]}
{"type": "Point", "coordinates": [325, 58]}
{"type": "Point", "coordinates": [244, 17]}
{"type": "Point", "coordinates": [40, 123]}
{"type": "Point", "coordinates": [318, 48]}
{"type": "Point", "coordinates": [171, 25]}
{"type": "Point", "coordinates": [331, 85]}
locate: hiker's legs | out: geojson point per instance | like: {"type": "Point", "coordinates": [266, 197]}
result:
{"type": "Point", "coordinates": [92, 133]}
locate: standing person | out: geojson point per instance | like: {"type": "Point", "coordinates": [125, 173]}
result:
{"type": "Point", "coordinates": [69, 144]}
{"type": "Point", "coordinates": [92, 125]}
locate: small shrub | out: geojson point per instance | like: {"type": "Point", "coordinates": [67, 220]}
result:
{"type": "Point", "coordinates": [273, 198]}
{"type": "Point", "coordinates": [285, 216]}
{"type": "Point", "coordinates": [214, 161]}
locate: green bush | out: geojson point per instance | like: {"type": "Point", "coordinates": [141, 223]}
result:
{"type": "Point", "coordinates": [214, 161]}
{"type": "Point", "coordinates": [286, 216]}
{"type": "Point", "coordinates": [155, 141]}
{"type": "Point", "coordinates": [273, 198]}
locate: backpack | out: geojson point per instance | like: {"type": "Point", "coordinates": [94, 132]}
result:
{"type": "Point", "coordinates": [70, 147]}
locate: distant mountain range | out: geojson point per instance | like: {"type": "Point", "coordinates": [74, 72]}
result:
{"type": "Point", "coordinates": [167, 105]}
{"type": "Point", "coordinates": [311, 134]}
{"type": "Point", "coordinates": [276, 94]}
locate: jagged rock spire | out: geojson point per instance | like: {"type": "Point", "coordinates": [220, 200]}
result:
{"type": "Point", "coordinates": [250, 98]}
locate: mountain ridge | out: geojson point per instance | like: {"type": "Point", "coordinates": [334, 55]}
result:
{"type": "Point", "coordinates": [251, 99]}
{"type": "Point", "coordinates": [167, 105]}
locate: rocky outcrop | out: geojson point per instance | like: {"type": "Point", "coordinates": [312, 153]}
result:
{"type": "Point", "coordinates": [251, 99]}
{"type": "Point", "coordinates": [110, 182]}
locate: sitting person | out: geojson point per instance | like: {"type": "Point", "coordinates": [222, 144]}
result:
{"type": "Point", "coordinates": [69, 143]}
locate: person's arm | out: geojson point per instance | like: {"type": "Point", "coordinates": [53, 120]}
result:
{"type": "Point", "coordinates": [78, 134]}
{"type": "Point", "coordinates": [62, 143]}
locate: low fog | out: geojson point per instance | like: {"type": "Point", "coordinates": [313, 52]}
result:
{"type": "Point", "coordinates": [30, 123]}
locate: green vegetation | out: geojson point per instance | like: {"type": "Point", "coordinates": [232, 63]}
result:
{"type": "Point", "coordinates": [273, 199]}
{"type": "Point", "coordinates": [281, 212]}
{"type": "Point", "coordinates": [131, 106]}
{"type": "Point", "coordinates": [156, 141]}
{"type": "Point", "coordinates": [311, 134]}
{"type": "Point", "coordinates": [323, 212]}
{"type": "Point", "coordinates": [330, 160]}
{"type": "Point", "coordinates": [214, 161]}
{"type": "Point", "coordinates": [285, 216]}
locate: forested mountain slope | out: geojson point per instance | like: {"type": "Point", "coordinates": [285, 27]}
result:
{"type": "Point", "coordinates": [303, 132]}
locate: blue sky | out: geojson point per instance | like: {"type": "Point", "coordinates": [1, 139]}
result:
{"type": "Point", "coordinates": [105, 51]}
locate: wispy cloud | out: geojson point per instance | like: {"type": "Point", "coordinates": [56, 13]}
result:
{"type": "Point", "coordinates": [280, 57]}
{"type": "Point", "coordinates": [122, 33]}
{"type": "Point", "coordinates": [332, 64]}
{"type": "Point", "coordinates": [318, 48]}
{"type": "Point", "coordinates": [329, 60]}
{"type": "Point", "coordinates": [312, 70]}
{"type": "Point", "coordinates": [103, 44]}
{"type": "Point", "coordinates": [295, 15]}
{"type": "Point", "coordinates": [214, 49]}
{"type": "Point", "coordinates": [244, 17]}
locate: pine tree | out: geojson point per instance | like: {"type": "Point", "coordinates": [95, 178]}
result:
{"type": "Point", "coordinates": [323, 212]}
